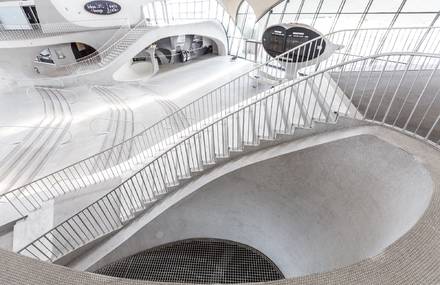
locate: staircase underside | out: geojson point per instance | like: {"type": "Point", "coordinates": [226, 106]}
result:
{"type": "Point", "coordinates": [413, 259]}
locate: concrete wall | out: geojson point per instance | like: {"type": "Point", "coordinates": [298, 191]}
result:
{"type": "Point", "coordinates": [309, 211]}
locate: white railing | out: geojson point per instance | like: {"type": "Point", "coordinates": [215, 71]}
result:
{"type": "Point", "coordinates": [12, 32]}
{"type": "Point", "coordinates": [401, 96]}
{"type": "Point", "coordinates": [135, 152]}
{"type": "Point", "coordinates": [105, 56]}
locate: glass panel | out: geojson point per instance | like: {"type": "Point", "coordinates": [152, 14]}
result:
{"type": "Point", "coordinates": [198, 9]}
{"type": "Point", "coordinates": [279, 8]}
{"type": "Point", "coordinates": [377, 20]}
{"type": "Point", "coordinates": [240, 20]}
{"type": "Point", "coordinates": [306, 19]}
{"type": "Point", "coordinates": [421, 6]}
{"type": "Point", "coordinates": [274, 19]}
{"type": "Point", "coordinates": [243, 7]}
{"type": "Point", "coordinates": [261, 27]}
{"type": "Point", "coordinates": [330, 6]}
{"type": "Point", "coordinates": [207, 9]}
{"type": "Point", "coordinates": [355, 6]}
{"type": "Point", "coordinates": [293, 6]}
{"type": "Point", "coordinates": [310, 6]}
{"type": "Point", "coordinates": [385, 6]}
{"type": "Point", "coordinates": [414, 20]}
{"type": "Point", "coordinates": [347, 22]}
{"type": "Point", "coordinates": [289, 18]}
{"type": "Point", "coordinates": [437, 23]}
{"type": "Point", "coordinates": [324, 23]}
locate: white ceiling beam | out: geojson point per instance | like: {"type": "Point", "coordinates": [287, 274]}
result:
{"type": "Point", "coordinates": [260, 6]}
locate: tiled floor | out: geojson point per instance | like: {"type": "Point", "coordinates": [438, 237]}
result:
{"type": "Point", "coordinates": [96, 118]}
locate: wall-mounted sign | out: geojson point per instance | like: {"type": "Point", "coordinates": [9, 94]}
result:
{"type": "Point", "coordinates": [100, 7]}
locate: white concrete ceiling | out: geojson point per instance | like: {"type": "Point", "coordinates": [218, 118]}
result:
{"type": "Point", "coordinates": [260, 6]}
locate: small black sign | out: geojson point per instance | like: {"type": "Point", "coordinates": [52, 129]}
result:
{"type": "Point", "coordinates": [102, 7]}
{"type": "Point", "coordinates": [280, 39]}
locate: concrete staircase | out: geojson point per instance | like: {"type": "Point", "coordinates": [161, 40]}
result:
{"type": "Point", "coordinates": [121, 45]}
{"type": "Point", "coordinates": [289, 111]}
{"type": "Point", "coordinates": [109, 54]}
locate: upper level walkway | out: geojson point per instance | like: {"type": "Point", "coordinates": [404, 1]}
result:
{"type": "Point", "coordinates": [126, 42]}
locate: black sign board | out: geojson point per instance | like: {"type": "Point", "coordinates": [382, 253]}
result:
{"type": "Point", "coordinates": [280, 39]}
{"type": "Point", "coordinates": [102, 7]}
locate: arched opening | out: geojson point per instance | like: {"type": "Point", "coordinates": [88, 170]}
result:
{"type": "Point", "coordinates": [166, 54]}
{"type": "Point", "coordinates": [81, 51]}
{"type": "Point", "coordinates": [63, 54]}
{"type": "Point", "coordinates": [181, 49]}
{"type": "Point", "coordinates": [52, 57]}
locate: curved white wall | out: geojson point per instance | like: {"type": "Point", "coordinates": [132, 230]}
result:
{"type": "Point", "coordinates": [208, 29]}
{"type": "Point", "coordinates": [52, 11]}
{"type": "Point", "coordinates": [309, 211]}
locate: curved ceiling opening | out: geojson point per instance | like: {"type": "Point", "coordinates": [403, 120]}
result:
{"type": "Point", "coordinates": [200, 261]}
{"type": "Point", "coordinates": [309, 211]}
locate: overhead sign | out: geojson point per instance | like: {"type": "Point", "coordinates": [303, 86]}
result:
{"type": "Point", "coordinates": [102, 7]}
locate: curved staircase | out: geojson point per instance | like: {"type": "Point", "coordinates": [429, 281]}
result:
{"type": "Point", "coordinates": [151, 142]}
{"type": "Point", "coordinates": [265, 119]}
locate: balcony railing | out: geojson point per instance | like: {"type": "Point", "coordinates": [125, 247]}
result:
{"type": "Point", "coordinates": [13, 32]}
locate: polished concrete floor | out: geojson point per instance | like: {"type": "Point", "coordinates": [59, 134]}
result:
{"type": "Point", "coordinates": [57, 127]}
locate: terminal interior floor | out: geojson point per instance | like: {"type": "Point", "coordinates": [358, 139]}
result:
{"type": "Point", "coordinates": [270, 142]}
{"type": "Point", "coordinates": [51, 128]}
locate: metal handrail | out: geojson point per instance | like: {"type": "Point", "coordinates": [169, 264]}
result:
{"type": "Point", "coordinates": [152, 141]}
{"type": "Point", "coordinates": [114, 38]}
{"type": "Point", "coordinates": [16, 32]}
{"type": "Point", "coordinates": [102, 58]}
{"type": "Point", "coordinates": [298, 104]}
